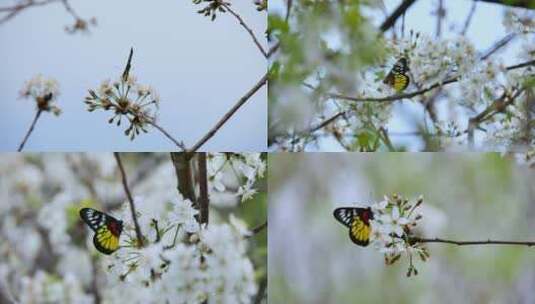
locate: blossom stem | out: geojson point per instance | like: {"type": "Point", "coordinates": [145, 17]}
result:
{"type": "Point", "coordinates": [466, 243]}
{"type": "Point", "coordinates": [230, 113]}
{"type": "Point", "coordinates": [246, 27]}
{"type": "Point", "coordinates": [169, 136]}
{"type": "Point", "coordinates": [204, 200]}
{"type": "Point", "coordinates": [130, 199]}
{"type": "Point", "coordinates": [30, 130]}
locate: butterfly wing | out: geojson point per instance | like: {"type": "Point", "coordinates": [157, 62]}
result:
{"type": "Point", "coordinates": [357, 220]}
{"type": "Point", "coordinates": [397, 77]}
{"type": "Point", "coordinates": [107, 229]}
{"type": "Point", "coordinates": [105, 241]}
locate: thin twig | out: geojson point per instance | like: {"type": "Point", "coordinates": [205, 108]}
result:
{"type": "Point", "coordinates": [30, 130]}
{"type": "Point", "coordinates": [204, 200]}
{"type": "Point", "coordinates": [440, 14]}
{"type": "Point", "coordinates": [18, 8]}
{"type": "Point", "coordinates": [130, 199]}
{"type": "Point", "coordinates": [465, 243]}
{"type": "Point", "coordinates": [288, 10]}
{"type": "Point", "coordinates": [246, 27]}
{"type": "Point", "coordinates": [469, 18]}
{"type": "Point", "coordinates": [273, 49]}
{"type": "Point", "coordinates": [391, 20]}
{"type": "Point", "coordinates": [229, 114]}
{"type": "Point", "coordinates": [418, 92]}
{"type": "Point", "coordinates": [498, 45]}
{"type": "Point", "coordinates": [169, 136]}
{"type": "Point", "coordinates": [259, 228]}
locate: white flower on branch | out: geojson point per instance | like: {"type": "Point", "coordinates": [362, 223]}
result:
{"type": "Point", "coordinates": [44, 91]}
{"type": "Point", "coordinates": [128, 99]}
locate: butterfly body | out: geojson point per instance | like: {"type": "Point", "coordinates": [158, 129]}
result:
{"type": "Point", "coordinates": [397, 78]}
{"type": "Point", "coordinates": [358, 221]}
{"type": "Point", "coordinates": [107, 229]}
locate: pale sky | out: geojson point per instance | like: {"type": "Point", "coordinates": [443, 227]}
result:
{"type": "Point", "coordinates": [200, 68]}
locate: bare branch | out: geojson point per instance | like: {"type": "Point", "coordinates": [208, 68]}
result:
{"type": "Point", "coordinates": [30, 130]}
{"type": "Point", "coordinates": [229, 114]}
{"type": "Point", "coordinates": [246, 27]}
{"type": "Point", "coordinates": [259, 228]}
{"type": "Point", "coordinates": [469, 18]}
{"type": "Point", "coordinates": [18, 8]}
{"type": "Point", "coordinates": [466, 243]}
{"type": "Point", "coordinates": [130, 199]}
{"type": "Point", "coordinates": [391, 20]}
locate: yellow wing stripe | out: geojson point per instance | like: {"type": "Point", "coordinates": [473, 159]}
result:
{"type": "Point", "coordinates": [400, 82]}
{"type": "Point", "coordinates": [106, 239]}
{"type": "Point", "coordinates": [360, 230]}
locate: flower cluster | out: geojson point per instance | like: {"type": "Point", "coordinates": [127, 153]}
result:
{"type": "Point", "coordinates": [127, 98]}
{"type": "Point", "coordinates": [44, 91]}
{"type": "Point", "coordinates": [191, 263]}
{"type": "Point", "coordinates": [245, 169]}
{"type": "Point", "coordinates": [395, 219]}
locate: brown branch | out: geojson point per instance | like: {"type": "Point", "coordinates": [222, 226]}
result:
{"type": "Point", "coordinates": [418, 92]}
{"type": "Point", "coordinates": [229, 114]}
{"type": "Point", "coordinates": [181, 162]}
{"type": "Point", "coordinates": [30, 130]}
{"type": "Point", "coordinates": [130, 199]}
{"type": "Point", "coordinates": [246, 27]}
{"type": "Point", "coordinates": [466, 243]}
{"type": "Point", "coordinates": [204, 200]}
{"type": "Point", "coordinates": [400, 10]}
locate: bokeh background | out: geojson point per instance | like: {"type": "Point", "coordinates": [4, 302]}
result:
{"type": "Point", "coordinates": [467, 196]}
{"type": "Point", "coordinates": [200, 69]}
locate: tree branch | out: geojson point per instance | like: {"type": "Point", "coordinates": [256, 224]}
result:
{"type": "Point", "coordinates": [181, 162]}
{"type": "Point", "coordinates": [18, 8]}
{"type": "Point", "coordinates": [229, 114]}
{"type": "Point", "coordinates": [246, 27]}
{"type": "Point", "coordinates": [391, 20]}
{"type": "Point", "coordinates": [466, 243]}
{"type": "Point", "coordinates": [130, 199]}
{"type": "Point", "coordinates": [204, 200]}
{"type": "Point", "coordinates": [30, 130]}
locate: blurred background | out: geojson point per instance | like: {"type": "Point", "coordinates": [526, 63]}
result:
{"type": "Point", "coordinates": [46, 251]}
{"type": "Point", "coordinates": [466, 197]}
{"type": "Point", "coordinates": [200, 69]}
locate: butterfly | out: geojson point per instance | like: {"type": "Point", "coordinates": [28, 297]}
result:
{"type": "Point", "coordinates": [358, 221]}
{"type": "Point", "coordinates": [107, 229]}
{"type": "Point", "coordinates": [397, 77]}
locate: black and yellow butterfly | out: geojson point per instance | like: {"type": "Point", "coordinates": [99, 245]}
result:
{"type": "Point", "coordinates": [397, 78]}
{"type": "Point", "coordinates": [358, 221]}
{"type": "Point", "coordinates": [107, 229]}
